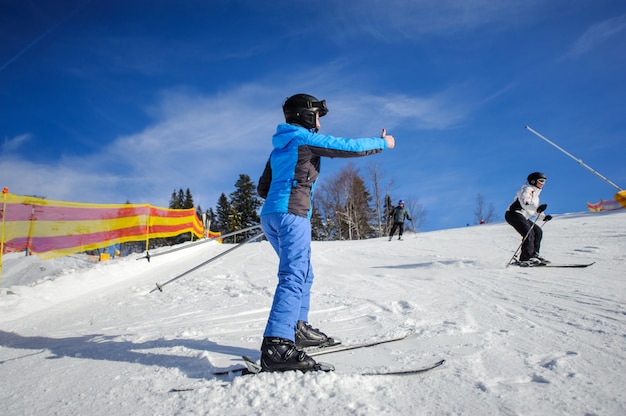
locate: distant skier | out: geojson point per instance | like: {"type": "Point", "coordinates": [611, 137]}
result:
{"type": "Point", "coordinates": [398, 214]}
{"type": "Point", "coordinates": [287, 186]}
{"type": "Point", "coordinates": [525, 206]}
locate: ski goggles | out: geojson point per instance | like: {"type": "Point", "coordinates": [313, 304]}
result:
{"type": "Point", "coordinates": [320, 105]}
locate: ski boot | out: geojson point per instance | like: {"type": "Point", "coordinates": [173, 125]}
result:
{"type": "Point", "coordinates": [531, 262]}
{"type": "Point", "coordinates": [280, 354]}
{"type": "Point", "coordinates": [307, 336]}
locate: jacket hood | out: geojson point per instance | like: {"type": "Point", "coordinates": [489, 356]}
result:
{"type": "Point", "coordinates": [285, 133]}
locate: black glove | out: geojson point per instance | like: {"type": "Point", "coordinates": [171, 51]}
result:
{"type": "Point", "coordinates": [547, 218]}
{"type": "Point", "coordinates": [542, 208]}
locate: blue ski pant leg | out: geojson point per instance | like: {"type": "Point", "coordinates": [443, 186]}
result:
{"type": "Point", "coordinates": [290, 236]}
{"type": "Point", "coordinates": [305, 302]}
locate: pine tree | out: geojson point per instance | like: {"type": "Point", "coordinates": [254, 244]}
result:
{"type": "Point", "coordinates": [187, 200]}
{"type": "Point", "coordinates": [174, 201]}
{"type": "Point", "coordinates": [180, 198]}
{"type": "Point", "coordinates": [224, 211]}
{"type": "Point", "coordinates": [245, 203]}
{"type": "Point", "coordinates": [235, 223]}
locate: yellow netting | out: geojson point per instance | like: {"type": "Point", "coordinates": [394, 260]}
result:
{"type": "Point", "coordinates": [56, 228]}
{"type": "Point", "coordinates": [621, 198]}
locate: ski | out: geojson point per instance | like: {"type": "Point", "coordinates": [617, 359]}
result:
{"type": "Point", "coordinates": [317, 351]}
{"type": "Point", "coordinates": [575, 265]}
{"type": "Point", "coordinates": [407, 371]}
{"type": "Point", "coordinates": [252, 367]}
{"type": "Point", "coordinates": [563, 265]}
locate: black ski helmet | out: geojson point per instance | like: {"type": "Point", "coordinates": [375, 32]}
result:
{"type": "Point", "coordinates": [532, 178]}
{"type": "Point", "coordinates": [300, 109]}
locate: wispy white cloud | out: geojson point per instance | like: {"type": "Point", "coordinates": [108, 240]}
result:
{"type": "Point", "coordinates": [201, 142]}
{"type": "Point", "coordinates": [205, 141]}
{"type": "Point", "coordinates": [411, 19]}
{"type": "Point", "coordinates": [55, 180]}
{"type": "Point", "coordinates": [14, 143]}
{"type": "Point", "coordinates": [366, 113]}
{"type": "Point", "coordinates": [596, 35]}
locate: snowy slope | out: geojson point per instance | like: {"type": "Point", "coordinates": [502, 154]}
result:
{"type": "Point", "coordinates": [88, 338]}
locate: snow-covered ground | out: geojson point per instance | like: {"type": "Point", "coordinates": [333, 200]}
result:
{"type": "Point", "coordinates": [83, 338]}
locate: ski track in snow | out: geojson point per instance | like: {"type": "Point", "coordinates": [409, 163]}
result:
{"type": "Point", "coordinates": [84, 338]}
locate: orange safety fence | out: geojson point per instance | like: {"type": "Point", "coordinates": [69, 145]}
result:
{"type": "Point", "coordinates": [604, 205]}
{"type": "Point", "coordinates": [55, 228]}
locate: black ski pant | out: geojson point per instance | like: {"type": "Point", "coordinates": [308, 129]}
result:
{"type": "Point", "coordinates": [397, 226]}
{"type": "Point", "coordinates": [532, 244]}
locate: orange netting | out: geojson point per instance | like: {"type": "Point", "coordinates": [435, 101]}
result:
{"type": "Point", "coordinates": [56, 228]}
{"type": "Point", "coordinates": [604, 205]}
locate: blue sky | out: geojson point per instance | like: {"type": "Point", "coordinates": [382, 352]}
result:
{"type": "Point", "coordinates": [115, 101]}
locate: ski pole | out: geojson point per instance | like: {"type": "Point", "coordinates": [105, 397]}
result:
{"type": "Point", "coordinates": [580, 162]}
{"type": "Point", "coordinates": [159, 287]}
{"type": "Point", "coordinates": [523, 240]}
{"type": "Point", "coordinates": [149, 256]}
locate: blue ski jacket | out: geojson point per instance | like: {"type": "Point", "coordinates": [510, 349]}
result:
{"type": "Point", "coordinates": [289, 177]}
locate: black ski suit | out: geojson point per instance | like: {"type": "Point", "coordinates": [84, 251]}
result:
{"type": "Point", "coordinates": [523, 207]}
{"type": "Point", "coordinates": [399, 214]}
